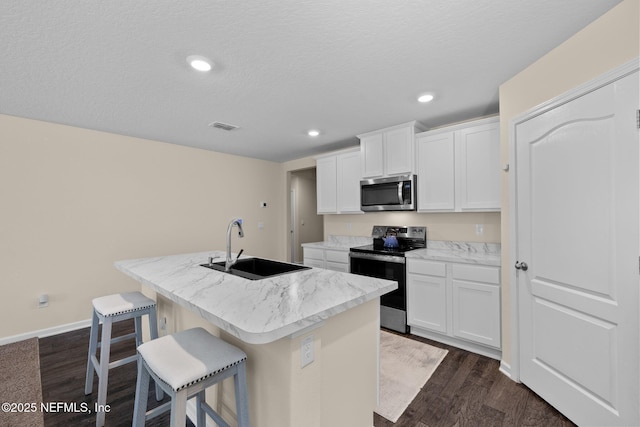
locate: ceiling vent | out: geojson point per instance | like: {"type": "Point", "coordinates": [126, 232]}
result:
{"type": "Point", "coordinates": [223, 126]}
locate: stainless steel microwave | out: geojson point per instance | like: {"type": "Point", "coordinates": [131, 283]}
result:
{"type": "Point", "coordinates": [397, 193]}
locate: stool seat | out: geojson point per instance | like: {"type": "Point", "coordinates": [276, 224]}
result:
{"type": "Point", "coordinates": [184, 358]}
{"type": "Point", "coordinates": [184, 365]}
{"type": "Point", "coordinates": [113, 305]}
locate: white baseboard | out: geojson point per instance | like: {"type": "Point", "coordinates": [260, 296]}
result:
{"type": "Point", "coordinates": [47, 332]}
{"type": "Point", "coordinates": [505, 368]}
{"type": "Point", "coordinates": [460, 343]}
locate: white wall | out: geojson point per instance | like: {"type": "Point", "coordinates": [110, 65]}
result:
{"type": "Point", "coordinates": [75, 200]}
{"type": "Point", "coordinates": [608, 42]}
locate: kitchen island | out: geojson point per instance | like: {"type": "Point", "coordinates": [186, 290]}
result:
{"type": "Point", "coordinates": [335, 314]}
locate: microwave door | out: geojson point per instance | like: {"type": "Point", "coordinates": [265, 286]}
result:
{"type": "Point", "coordinates": [382, 196]}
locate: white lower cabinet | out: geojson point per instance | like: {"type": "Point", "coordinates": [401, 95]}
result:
{"type": "Point", "coordinates": [330, 259]}
{"type": "Point", "coordinates": [336, 260]}
{"type": "Point", "coordinates": [458, 304]}
{"type": "Point", "coordinates": [313, 257]}
{"type": "Point", "coordinates": [428, 302]}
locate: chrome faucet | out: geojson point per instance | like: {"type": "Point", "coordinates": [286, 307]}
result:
{"type": "Point", "coordinates": [229, 263]}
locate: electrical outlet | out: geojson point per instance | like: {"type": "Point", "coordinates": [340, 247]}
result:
{"type": "Point", "coordinates": [479, 229]}
{"type": "Point", "coordinates": [43, 301]}
{"type": "Point", "coordinates": [306, 349]}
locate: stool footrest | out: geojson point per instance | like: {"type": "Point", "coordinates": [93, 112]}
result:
{"type": "Point", "coordinates": [120, 338]}
{"type": "Point", "coordinates": [152, 413]}
{"type": "Point", "coordinates": [214, 415]}
{"type": "Point", "coordinates": [123, 361]}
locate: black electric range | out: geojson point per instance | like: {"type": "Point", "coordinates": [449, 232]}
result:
{"type": "Point", "coordinates": [385, 258]}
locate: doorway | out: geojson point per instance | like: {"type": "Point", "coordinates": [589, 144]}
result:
{"type": "Point", "coordinates": [305, 225]}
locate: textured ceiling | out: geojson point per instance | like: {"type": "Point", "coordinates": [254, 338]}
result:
{"type": "Point", "coordinates": [282, 66]}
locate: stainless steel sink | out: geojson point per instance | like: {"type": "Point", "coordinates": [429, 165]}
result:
{"type": "Point", "coordinates": [256, 268]}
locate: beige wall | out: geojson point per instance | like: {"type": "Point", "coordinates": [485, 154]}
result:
{"type": "Point", "coordinates": [440, 226]}
{"type": "Point", "coordinates": [75, 200]}
{"type": "Point", "coordinates": [610, 41]}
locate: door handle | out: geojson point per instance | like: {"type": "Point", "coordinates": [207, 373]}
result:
{"type": "Point", "coordinates": [521, 266]}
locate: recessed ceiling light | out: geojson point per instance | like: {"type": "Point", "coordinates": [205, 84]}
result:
{"type": "Point", "coordinates": [199, 63]}
{"type": "Point", "coordinates": [425, 98]}
{"type": "Point", "coordinates": [313, 132]}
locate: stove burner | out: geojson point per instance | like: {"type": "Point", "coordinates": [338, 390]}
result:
{"type": "Point", "coordinates": [408, 239]}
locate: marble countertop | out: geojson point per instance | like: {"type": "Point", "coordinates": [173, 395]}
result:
{"type": "Point", "coordinates": [255, 311]}
{"type": "Point", "coordinates": [465, 252]}
{"type": "Point", "coordinates": [436, 250]}
{"type": "Point", "coordinates": [343, 243]}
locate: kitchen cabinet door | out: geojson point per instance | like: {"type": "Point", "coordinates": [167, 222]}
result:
{"type": "Point", "coordinates": [398, 151]}
{"type": "Point", "coordinates": [338, 183]}
{"type": "Point", "coordinates": [372, 155]}
{"type": "Point", "coordinates": [427, 302]}
{"type": "Point", "coordinates": [476, 303]}
{"type": "Point", "coordinates": [336, 260]}
{"type": "Point", "coordinates": [436, 172]}
{"type": "Point", "coordinates": [348, 183]}
{"type": "Point", "coordinates": [326, 185]}
{"type": "Point", "coordinates": [313, 257]}
{"type": "Point", "coordinates": [389, 151]}
{"type": "Point", "coordinates": [478, 168]}
{"type": "Point", "coordinates": [476, 312]}
{"type": "Point", "coordinates": [459, 168]}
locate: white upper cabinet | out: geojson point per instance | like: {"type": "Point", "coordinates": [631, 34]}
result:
{"type": "Point", "coordinates": [348, 184]}
{"type": "Point", "coordinates": [436, 172]}
{"type": "Point", "coordinates": [372, 155]}
{"type": "Point", "coordinates": [389, 151]}
{"type": "Point", "coordinates": [459, 168]}
{"type": "Point", "coordinates": [338, 183]}
{"type": "Point", "coordinates": [326, 184]}
{"type": "Point", "coordinates": [478, 172]}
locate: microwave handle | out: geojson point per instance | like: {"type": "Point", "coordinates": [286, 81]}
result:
{"type": "Point", "coordinates": [400, 199]}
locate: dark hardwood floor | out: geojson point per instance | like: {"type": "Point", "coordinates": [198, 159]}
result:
{"type": "Point", "coordinates": [63, 364]}
{"type": "Point", "coordinates": [465, 390]}
{"type": "Point", "coordinates": [468, 390]}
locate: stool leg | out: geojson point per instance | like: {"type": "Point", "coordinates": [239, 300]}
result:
{"type": "Point", "coordinates": [179, 409]}
{"type": "Point", "coordinates": [200, 414]}
{"type": "Point", "coordinates": [105, 348]}
{"type": "Point", "coordinates": [93, 346]}
{"type": "Point", "coordinates": [137, 321]}
{"type": "Point", "coordinates": [242, 396]}
{"type": "Point", "coordinates": [142, 394]}
{"type": "Point", "coordinates": [153, 331]}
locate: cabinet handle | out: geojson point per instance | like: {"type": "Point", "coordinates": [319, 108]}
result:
{"type": "Point", "coordinates": [521, 266]}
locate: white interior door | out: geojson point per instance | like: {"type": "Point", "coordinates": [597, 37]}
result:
{"type": "Point", "coordinates": [577, 210]}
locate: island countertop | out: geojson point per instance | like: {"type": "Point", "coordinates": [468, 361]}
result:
{"type": "Point", "coordinates": [255, 311]}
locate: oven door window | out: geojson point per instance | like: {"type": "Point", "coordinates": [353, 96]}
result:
{"type": "Point", "coordinates": [384, 270]}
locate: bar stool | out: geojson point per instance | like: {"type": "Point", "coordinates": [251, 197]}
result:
{"type": "Point", "coordinates": [185, 364]}
{"type": "Point", "coordinates": [109, 310]}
